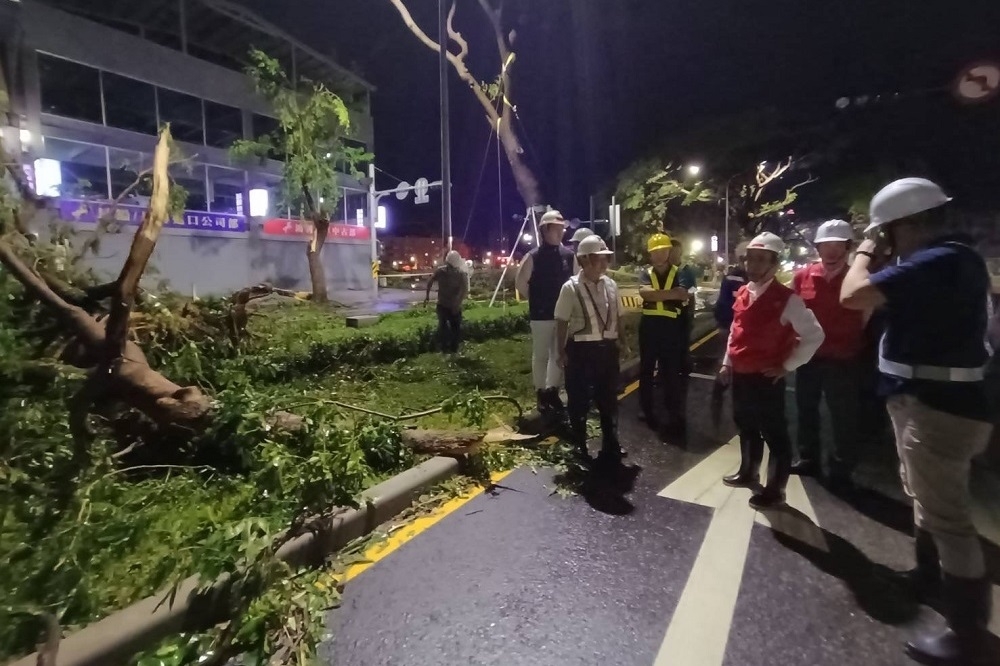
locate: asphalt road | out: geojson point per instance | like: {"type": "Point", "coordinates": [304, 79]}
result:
{"type": "Point", "coordinates": [676, 571]}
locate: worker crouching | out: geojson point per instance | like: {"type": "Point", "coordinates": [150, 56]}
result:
{"type": "Point", "coordinates": [772, 334]}
{"type": "Point", "coordinates": [587, 315]}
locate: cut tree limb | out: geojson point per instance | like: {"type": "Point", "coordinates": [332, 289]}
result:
{"type": "Point", "coordinates": [120, 371]}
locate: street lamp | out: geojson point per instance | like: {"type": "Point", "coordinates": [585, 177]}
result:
{"type": "Point", "coordinates": [527, 238]}
{"type": "Point", "coordinates": [694, 169]}
{"type": "Point", "coordinates": [697, 246]}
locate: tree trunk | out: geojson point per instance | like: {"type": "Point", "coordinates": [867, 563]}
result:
{"type": "Point", "coordinates": [527, 184]}
{"type": "Point", "coordinates": [314, 255]}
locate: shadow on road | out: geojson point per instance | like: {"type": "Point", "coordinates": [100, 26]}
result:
{"type": "Point", "coordinates": [874, 586]}
{"type": "Point", "coordinates": [604, 488]}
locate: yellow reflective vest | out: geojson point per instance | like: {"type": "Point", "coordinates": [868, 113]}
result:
{"type": "Point", "coordinates": [662, 308]}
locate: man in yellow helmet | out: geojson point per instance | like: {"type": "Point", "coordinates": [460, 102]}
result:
{"type": "Point", "coordinates": [661, 333]}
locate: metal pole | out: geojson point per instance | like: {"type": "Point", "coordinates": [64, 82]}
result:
{"type": "Point", "coordinates": [372, 219]}
{"type": "Point", "coordinates": [445, 130]}
{"type": "Point", "coordinates": [510, 258]}
{"type": "Point", "coordinates": [726, 245]}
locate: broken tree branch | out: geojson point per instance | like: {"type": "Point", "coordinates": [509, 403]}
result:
{"type": "Point", "coordinates": [456, 62]}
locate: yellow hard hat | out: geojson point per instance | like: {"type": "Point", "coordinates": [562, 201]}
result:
{"type": "Point", "coordinates": [658, 242]}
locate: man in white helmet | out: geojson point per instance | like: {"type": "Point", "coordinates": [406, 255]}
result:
{"type": "Point", "coordinates": [588, 312]}
{"type": "Point", "coordinates": [542, 274]}
{"type": "Point", "coordinates": [773, 333]}
{"type": "Point", "coordinates": [574, 243]}
{"type": "Point", "coordinates": [834, 372]}
{"type": "Point", "coordinates": [932, 359]}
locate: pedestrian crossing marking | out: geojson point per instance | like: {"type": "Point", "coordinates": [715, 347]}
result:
{"type": "Point", "coordinates": [699, 629]}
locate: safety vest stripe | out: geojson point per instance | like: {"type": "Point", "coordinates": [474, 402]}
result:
{"type": "Point", "coordinates": [660, 309]}
{"type": "Point", "coordinates": [935, 373]}
{"type": "Point", "coordinates": [589, 333]}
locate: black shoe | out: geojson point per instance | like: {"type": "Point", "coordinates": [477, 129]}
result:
{"type": "Point", "coordinates": [541, 400]}
{"type": "Point", "coordinates": [741, 480]}
{"type": "Point", "coordinates": [966, 641]}
{"type": "Point", "coordinates": [805, 468]}
{"type": "Point", "coordinates": [767, 499]}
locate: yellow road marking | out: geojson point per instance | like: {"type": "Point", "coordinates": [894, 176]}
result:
{"type": "Point", "coordinates": [410, 531]}
{"type": "Point", "coordinates": [634, 386]}
{"type": "Point", "coordinates": [379, 551]}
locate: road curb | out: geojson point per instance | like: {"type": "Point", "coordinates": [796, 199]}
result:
{"type": "Point", "coordinates": [117, 637]}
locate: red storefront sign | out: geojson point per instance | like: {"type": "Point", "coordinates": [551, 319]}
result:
{"type": "Point", "coordinates": [303, 228]}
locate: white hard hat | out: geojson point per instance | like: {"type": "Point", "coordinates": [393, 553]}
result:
{"type": "Point", "coordinates": [580, 234]}
{"type": "Point", "coordinates": [903, 198]}
{"type": "Point", "coordinates": [767, 241]}
{"type": "Point", "coordinates": [834, 230]}
{"type": "Point", "coordinates": [552, 217]}
{"type": "Point", "coordinates": [593, 244]}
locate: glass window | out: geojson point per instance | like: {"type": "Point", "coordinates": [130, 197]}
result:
{"type": "Point", "coordinates": [183, 112]}
{"type": "Point", "coordinates": [69, 89]}
{"type": "Point", "coordinates": [82, 166]}
{"type": "Point", "coordinates": [225, 190]}
{"type": "Point", "coordinates": [192, 178]}
{"type": "Point", "coordinates": [129, 104]}
{"type": "Point", "coordinates": [223, 125]}
{"type": "Point", "coordinates": [266, 125]}
{"type": "Point", "coordinates": [168, 39]}
{"type": "Point", "coordinates": [263, 125]}
{"type": "Point", "coordinates": [126, 165]}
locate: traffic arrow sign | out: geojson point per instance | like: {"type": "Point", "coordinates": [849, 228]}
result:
{"type": "Point", "coordinates": [700, 626]}
{"type": "Point", "coordinates": [978, 83]}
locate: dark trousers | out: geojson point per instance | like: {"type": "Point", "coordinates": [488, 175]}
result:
{"type": "Point", "coordinates": [839, 383]}
{"type": "Point", "coordinates": [592, 375]}
{"type": "Point", "coordinates": [662, 343]}
{"type": "Point", "coordinates": [449, 329]}
{"type": "Point", "coordinates": [759, 413]}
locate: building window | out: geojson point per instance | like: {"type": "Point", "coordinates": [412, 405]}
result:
{"type": "Point", "coordinates": [83, 168]}
{"type": "Point", "coordinates": [266, 126]}
{"type": "Point", "coordinates": [129, 104]}
{"type": "Point", "coordinates": [192, 178]}
{"type": "Point", "coordinates": [183, 112]}
{"type": "Point", "coordinates": [223, 125]}
{"type": "Point", "coordinates": [126, 165]}
{"type": "Point", "coordinates": [70, 89]}
{"type": "Point", "coordinates": [225, 190]}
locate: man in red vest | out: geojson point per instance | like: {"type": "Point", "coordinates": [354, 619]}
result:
{"type": "Point", "coordinates": [835, 369]}
{"type": "Point", "coordinates": [773, 333]}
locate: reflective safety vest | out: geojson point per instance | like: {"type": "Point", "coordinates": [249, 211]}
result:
{"type": "Point", "coordinates": [921, 354]}
{"type": "Point", "coordinates": [597, 326]}
{"type": "Point", "coordinates": [662, 308]}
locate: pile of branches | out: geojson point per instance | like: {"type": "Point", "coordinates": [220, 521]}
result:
{"type": "Point", "coordinates": [96, 320]}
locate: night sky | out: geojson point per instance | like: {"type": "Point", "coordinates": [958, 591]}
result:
{"type": "Point", "coordinates": [599, 83]}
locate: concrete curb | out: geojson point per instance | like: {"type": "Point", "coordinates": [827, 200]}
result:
{"type": "Point", "coordinates": [116, 638]}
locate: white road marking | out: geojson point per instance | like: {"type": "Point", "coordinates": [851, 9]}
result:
{"type": "Point", "coordinates": [699, 629]}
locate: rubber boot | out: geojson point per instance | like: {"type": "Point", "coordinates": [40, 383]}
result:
{"type": "Point", "coordinates": [557, 409]}
{"type": "Point", "coordinates": [542, 401]}
{"type": "Point", "coordinates": [777, 478]}
{"type": "Point", "coordinates": [578, 439]}
{"type": "Point", "coordinates": [924, 580]}
{"type": "Point", "coordinates": [752, 453]}
{"type": "Point", "coordinates": [966, 641]}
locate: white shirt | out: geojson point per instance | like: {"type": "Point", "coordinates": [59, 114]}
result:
{"type": "Point", "coordinates": [802, 321]}
{"type": "Point", "coordinates": [590, 306]}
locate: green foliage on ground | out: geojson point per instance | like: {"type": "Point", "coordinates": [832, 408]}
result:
{"type": "Point", "coordinates": [85, 531]}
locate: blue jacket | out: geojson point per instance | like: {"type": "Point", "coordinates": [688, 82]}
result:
{"type": "Point", "coordinates": [735, 279]}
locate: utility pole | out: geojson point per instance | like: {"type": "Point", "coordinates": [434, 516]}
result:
{"type": "Point", "coordinates": [445, 127]}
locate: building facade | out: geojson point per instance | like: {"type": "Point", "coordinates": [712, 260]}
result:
{"type": "Point", "coordinates": [90, 82]}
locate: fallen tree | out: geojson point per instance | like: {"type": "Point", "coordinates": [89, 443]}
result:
{"type": "Point", "coordinates": [118, 369]}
